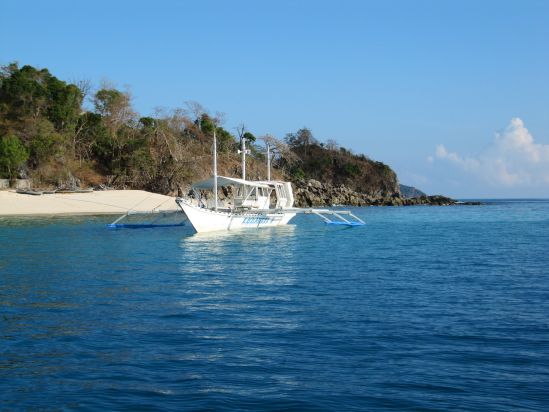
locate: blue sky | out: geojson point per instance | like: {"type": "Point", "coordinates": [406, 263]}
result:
{"type": "Point", "coordinates": [454, 95]}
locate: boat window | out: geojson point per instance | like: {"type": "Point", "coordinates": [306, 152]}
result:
{"type": "Point", "coordinates": [282, 191]}
{"type": "Point", "coordinates": [273, 195]}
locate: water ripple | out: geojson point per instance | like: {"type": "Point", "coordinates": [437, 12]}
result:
{"type": "Point", "coordinates": [424, 309]}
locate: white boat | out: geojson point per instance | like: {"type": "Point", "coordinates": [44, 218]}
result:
{"type": "Point", "coordinates": [253, 204]}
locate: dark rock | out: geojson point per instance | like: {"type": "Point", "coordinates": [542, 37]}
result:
{"type": "Point", "coordinates": [313, 193]}
{"type": "Point", "coordinates": [409, 192]}
{"type": "Point", "coordinates": [69, 182]}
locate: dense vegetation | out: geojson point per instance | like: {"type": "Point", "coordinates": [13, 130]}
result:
{"type": "Point", "coordinates": [46, 134]}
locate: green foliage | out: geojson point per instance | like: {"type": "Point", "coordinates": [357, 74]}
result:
{"type": "Point", "coordinates": [297, 173]}
{"type": "Point", "coordinates": [46, 143]}
{"type": "Point", "coordinates": [148, 122]}
{"type": "Point", "coordinates": [65, 104]}
{"type": "Point", "coordinates": [302, 138]}
{"type": "Point", "coordinates": [96, 139]}
{"type": "Point", "coordinates": [12, 155]}
{"type": "Point", "coordinates": [115, 152]}
{"type": "Point", "coordinates": [249, 137]}
{"type": "Point", "coordinates": [23, 92]}
{"type": "Point", "coordinates": [206, 124]}
{"type": "Point", "coordinates": [383, 169]}
{"type": "Point", "coordinates": [143, 165]}
{"type": "Point", "coordinates": [351, 169]}
{"type": "Point", "coordinates": [225, 140]}
{"type": "Point", "coordinates": [28, 92]}
{"type": "Point", "coordinates": [107, 101]}
{"type": "Point", "coordinates": [320, 163]}
{"type": "Point", "coordinates": [115, 108]}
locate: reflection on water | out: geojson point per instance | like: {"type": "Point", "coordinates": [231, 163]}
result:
{"type": "Point", "coordinates": [244, 252]}
{"type": "Point", "coordinates": [264, 256]}
{"type": "Point", "coordinates": [239, 273]}
{"type": "Point", "coordinates": [243, 235]}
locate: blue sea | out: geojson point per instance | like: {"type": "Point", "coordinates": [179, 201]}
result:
{"type": "Point", "coordinates": [424, 308]}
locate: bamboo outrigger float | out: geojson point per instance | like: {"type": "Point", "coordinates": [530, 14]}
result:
{"type": "Point", "coordinates": [160, 218]}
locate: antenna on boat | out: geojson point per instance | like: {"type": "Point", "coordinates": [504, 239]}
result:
{"type": "Point", "coordinates": [244, 152]}
{"type": "Point", "coordinates": [215, 168]}
{"type": "Point", "coordinates": [268, 162]}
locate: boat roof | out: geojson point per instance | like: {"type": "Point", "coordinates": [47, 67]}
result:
{"type": "Point", "coordinates": [228, 181]}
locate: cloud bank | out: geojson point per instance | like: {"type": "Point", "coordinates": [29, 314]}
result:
{"type": "Point", "coordinates": [513, 159]}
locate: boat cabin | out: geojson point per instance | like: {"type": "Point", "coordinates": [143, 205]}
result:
{"type": "Point", "coordinates": [247, 195]}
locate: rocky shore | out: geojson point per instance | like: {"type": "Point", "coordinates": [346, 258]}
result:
{"type": "Point", "coordinates": [314, 193]}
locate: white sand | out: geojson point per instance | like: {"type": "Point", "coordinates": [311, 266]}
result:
{"type": "Point", "coordinates": [94, 203]}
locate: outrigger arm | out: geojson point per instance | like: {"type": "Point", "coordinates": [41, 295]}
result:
{"type": "Point", "coordinates": [325, 214]}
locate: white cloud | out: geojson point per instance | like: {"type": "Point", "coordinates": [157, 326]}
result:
{"type": "Point", "coordinates": [513, 159]}
{"type": "Point", "coordinates": [467, 163]}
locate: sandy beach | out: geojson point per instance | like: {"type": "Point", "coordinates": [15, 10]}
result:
{"type": "Point", "coordinates": [94, 203]}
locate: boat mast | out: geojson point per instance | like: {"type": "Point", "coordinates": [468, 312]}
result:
{"type": "Point", "coordinates": [215, 169]}
{"type": "Point", "coordinates": [243, 151]}
{"type": "Point", "coordinates": [268, 162]}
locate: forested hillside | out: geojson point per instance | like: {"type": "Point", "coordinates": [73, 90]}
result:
{"type": "Point", "coordinates": [47, 134]}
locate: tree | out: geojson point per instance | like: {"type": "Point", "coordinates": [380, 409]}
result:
{"type": "Point", "coordinates": [206, 124]}
{"type": "Point", "coordinates": [123, 138]}
{"type": "Point", "coordinates": [31, 93]}
{"type": "Point", "coordinates": [92, 137]}
{"type": "Point", "coordinates": [46, 143]}
{"type": "Point", "coordinates": [115, 107]}
{"type": "Point", "coordinates": [12, 155]}
{"type": "Point", "coordinates": [244, 133]}
{"type": "Point", "coordinates": [249, 137]}
{"type": "Point", "coordinates": [147, 122]}
{"type": "Point", "coordinates": [23, 92]}
{"type": "Point", "coordinates": [331, 144]}
{"type": "Point", "coordinates": [65, 102]}
{"type": "Point", "coordinates": [85, 87]}
{"type": "Point", "coordinates": [303, 138]}
{"type": "Point", "coordinates": [282, 155]}
{"type": "Point", "coordinates": [197, 110]}
{"type": "Point", "coordinates": [225, 140]}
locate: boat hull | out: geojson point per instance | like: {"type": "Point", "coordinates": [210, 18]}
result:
{"type": "Point", "coordinates": [206, 220]}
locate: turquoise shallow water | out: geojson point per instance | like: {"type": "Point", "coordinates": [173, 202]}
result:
{"type": "Point", "coordinates": [425, 308]}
